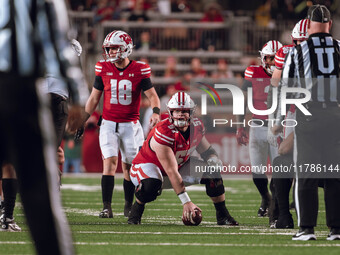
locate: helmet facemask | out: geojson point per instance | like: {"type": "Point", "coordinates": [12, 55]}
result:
{"type": "Point", "coordinates": [268, 51]}
{"type": "Point", "coordinates": [120, 40]}
{"type": "Point", "coordinates": [181, 101]}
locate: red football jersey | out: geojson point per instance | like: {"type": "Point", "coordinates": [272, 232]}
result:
{"type": "Point", "coordinates": [281, 54]}
{"type": "Point", "coordinates": [167, 134]}
{"type": "Point", "coordinates": [260, 82]}
{"type": "Point", "coordinates": [122, 89]}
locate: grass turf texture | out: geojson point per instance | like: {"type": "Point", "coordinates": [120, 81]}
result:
{"type": "Point", "coordinates": [162, 230]}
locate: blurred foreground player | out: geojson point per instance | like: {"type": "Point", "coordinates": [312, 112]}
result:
{"type": "Point", "coordinates": [36, 43]}
{"type": "Point", "coordinates": [165, 161]}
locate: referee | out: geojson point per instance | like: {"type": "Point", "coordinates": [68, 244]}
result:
{"type": "Point", "coordinates": [33, 42]}
{"type": "Point", "coordinates": [314, 65]}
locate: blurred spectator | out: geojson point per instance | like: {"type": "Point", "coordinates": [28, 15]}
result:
{"type": "Point", "coordinates": [139, 11]}
{"type": "Point", "coordinates": [180, 6]}
{"type": "Point", "coordinates": [170, 90]}
{"type": "Point", "coordinates": [196, 69]}
{"type": "Point", "coordinates": [144, 43]}
{"type": "Point", "coordinates": [263, 15]}
{"type": "Point", "coordinates": [72, 154]}
{"type": "Point", "coordinates": [212, 13]}
{"type": "Point", "coordinates": [171, 68]}
{"type": "Point", "coordinates": [222, 71]}
{"type": "Point", "coordinates": [104, 11]}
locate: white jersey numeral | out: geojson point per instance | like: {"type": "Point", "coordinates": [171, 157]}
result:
{"type": "Point", "coordinates": [321, 65]}
{"type": "Point", "coordinates": [121, 94]}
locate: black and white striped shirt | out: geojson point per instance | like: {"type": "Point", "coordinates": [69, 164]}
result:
{"type": "Point", "coordinates": [314, 65]}
{"type": "Point", "coordinates": [33, 42]}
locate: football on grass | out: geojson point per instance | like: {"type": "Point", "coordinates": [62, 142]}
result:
{"type": "Point", "coordinates": [194, 221]}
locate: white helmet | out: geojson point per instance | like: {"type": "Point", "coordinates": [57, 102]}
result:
{"type": "Point", "coordinates": [299, 32]}
{"type": "Point", "coordinates": [269, 49]}
{"type": "Point", "coordinates": [122, 41]}
{"type": "Point", "coordinates": [180, 101]}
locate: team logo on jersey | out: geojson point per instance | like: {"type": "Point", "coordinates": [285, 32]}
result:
{"type": "Point", "coordinates": [131, 74]}
{"type": "Point", "coordinates": [121, 73]}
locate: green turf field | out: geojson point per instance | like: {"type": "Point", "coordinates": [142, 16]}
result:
{"type": "Point", "coordinates": [162, 231]}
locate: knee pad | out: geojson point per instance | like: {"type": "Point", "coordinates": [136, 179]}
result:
{"type": "Point", "coordinates": [213, 187]}
{"type": "Point", "coordinates": [148, 190]}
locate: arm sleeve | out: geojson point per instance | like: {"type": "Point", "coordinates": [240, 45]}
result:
{"type": "Point", "coordinates": [98, 83]}
{"type": "Point", "coordinates": [146, 84]}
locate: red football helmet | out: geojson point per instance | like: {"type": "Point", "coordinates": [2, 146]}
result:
{"type": "Point", "coordinates": [118, 39]}
{"type": "Point", "coordinates": [180, 101]}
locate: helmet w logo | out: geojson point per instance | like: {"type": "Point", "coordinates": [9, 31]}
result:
{"type": "Point", "coordinates": [126, 38]}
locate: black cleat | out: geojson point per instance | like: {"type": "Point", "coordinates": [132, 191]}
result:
{"type": "Point", "coordinates": [127, 208]}
{"type": "Point", "coordinates": [106, 213]}
{"type": "Point", "coordinates": [136, 213]}
{"type": "Point", "coordinates": [8, 225]}
{"type": "Point", "coordinates": [262, 212]}
{"type": "Point", "coordinates": [304, 234]}
{"type": "Point", "coordinates": [228, 221]}
{"type": "Point", "coordinates": [284, 222]}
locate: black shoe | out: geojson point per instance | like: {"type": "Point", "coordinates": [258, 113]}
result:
{"type": "Point", "coordinates": [8, 225]}
{"type": "Point", "coordinates": [304, 234]}
{"type": "Point", "coordinates": [284, 222]}
{"type": "Point", "coordinates": [127, 208]}
{"type": "Point", "coordinates": [106, 213]}
{"type": "Point", "coordinates": [228, 221]}
{"type": "Point", "coordinates": [134, 221]}
{"type": "Point", "coordinates": [334, 234]}
{"type": "Point", "coordinates": [262, 212]}
{"type": "Point", "coordinates": [136, 213]}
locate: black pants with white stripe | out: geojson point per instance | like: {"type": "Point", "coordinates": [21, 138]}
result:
{"type": "Point", "coordinates": [317, 156]}
{"type": "Point", "coordinates": [28, 141]}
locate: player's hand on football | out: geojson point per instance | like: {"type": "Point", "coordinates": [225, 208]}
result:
{"type": "Point", "coordinates": [276, 129]}
{"type": "Point", "coordinates": [155, 118]}
{"type": "Point", "coordinates": [188, 208]}
{"type": "Point", "coordinates": [241, 136]}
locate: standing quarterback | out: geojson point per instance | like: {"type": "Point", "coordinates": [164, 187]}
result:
{"type": "Point", "coordinates": [122, 81]}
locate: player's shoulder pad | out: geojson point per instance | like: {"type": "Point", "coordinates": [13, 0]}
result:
{"type": "Point", "coordinates": [99, 67]}
{"type": "Point", "coordinates": [165, 133]}
{"type": "Point", "coordinates": [249, 72]}
{"type": "Point", "coordinates": [144, 69]}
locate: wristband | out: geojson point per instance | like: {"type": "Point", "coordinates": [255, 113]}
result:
{"type": "Point", "coordinates": [184, 197]}
{"type": "Point", "coordinates": [156, 110]}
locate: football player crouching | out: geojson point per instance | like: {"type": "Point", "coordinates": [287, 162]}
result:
{"type": "Point", "coordinates": [165, 159]}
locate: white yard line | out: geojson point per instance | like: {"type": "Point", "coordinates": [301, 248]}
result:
{"type": "Point", "coordinates": [194, 244]}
